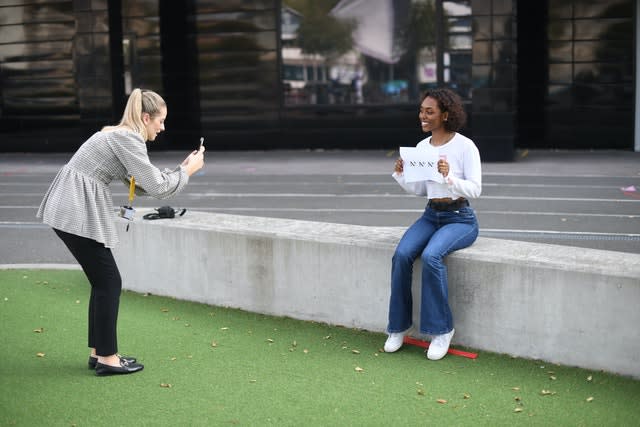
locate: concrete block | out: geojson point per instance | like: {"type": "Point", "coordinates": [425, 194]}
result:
{"type": "Point", "coordinates": [560, 304]}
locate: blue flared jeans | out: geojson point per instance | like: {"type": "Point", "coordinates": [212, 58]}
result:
{"type": "Point", "coordinates": [432, 237]}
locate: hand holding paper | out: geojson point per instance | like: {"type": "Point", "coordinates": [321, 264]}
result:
{"type": "Point", "coordinates": [420, 164]}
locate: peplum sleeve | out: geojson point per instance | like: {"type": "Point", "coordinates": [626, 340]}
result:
{"type": "Point", "coordinates": [131, 151]}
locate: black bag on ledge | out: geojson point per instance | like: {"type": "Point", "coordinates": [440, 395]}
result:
{"type": "Point", "coordinates": [164, 212]}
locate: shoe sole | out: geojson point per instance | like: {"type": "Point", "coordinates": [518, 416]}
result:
{"type": "Point", "coordinates": [92, 364]}
{"type": "Point", "coordinates": [112, 373]}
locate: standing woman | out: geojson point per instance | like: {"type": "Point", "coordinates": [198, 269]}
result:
{"type": "Point", "coordinates": [79, 207]}
{"type": "Point", "coordinates": [447, 224]}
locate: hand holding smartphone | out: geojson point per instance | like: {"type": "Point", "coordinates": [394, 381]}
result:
{"type": "Point", "coordinates": [201, 143]}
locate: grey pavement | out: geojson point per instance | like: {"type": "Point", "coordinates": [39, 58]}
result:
{"type": "Point", "coordinates": [572, 198]}
{"type": "Point", "coordinates": [561, 163]}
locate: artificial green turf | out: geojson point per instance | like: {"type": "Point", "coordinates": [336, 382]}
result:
{"type": "Point", "coordinates": [214, 366]}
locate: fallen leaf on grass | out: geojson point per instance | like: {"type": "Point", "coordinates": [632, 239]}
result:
{"type": "Point", "coordinates": [165, 385]}
{"type": "Point", "coordinates": [517, 410]}
{"type": "Point", "coordinates": [214, 344]}
{"type": "Point", "coordinates": [515, 388]}
{"type": "Point", "coordinates": [421, 392]}
{"type": "Point", "coordinates": [40, 354]}
{"type": "Point", "coordinates": [547, 392]}
{"type": "Point", "coordinates": [359, 369]}
{"type": "Point", "coordinates": [38, 330]}
{"type": "Point", "coordinates": [442, 401]}
{"type": "Point", "coordinates": [466, 396]}
{"type": "Point", "coordinates": [590, 378]}
{"type": "Point", "coordinates": [164, 310]}
{"type": "Point", "coordinates": [590, 399]}
{"type": "Point", "coordinates": [269, 340]}
{"type": "Point", "coordinates": [354, 351]}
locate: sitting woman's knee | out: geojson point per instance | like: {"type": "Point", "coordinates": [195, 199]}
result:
{"type": "Point", "coordinates": [401, 255]}
{"type": "Point", "coordinates": [432, 259]}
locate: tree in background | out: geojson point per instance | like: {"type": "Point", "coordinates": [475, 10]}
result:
{"type": "Point", "coordinates": [320, 33]}
{"type": "Point", "coordinates": [419, 33]}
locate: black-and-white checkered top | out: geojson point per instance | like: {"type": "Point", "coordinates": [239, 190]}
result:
{"type": "Point", "coordinates": [79, 199]}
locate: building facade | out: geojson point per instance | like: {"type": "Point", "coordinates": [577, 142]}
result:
{"type": "Point", "coordinates": [269, 74]}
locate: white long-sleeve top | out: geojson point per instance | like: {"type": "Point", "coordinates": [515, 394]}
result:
{"type": "Point", "coordinates": [465, 172]}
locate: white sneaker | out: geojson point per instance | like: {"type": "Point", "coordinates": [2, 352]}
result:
{"type": "Point", "coordinates": [394, 342]}
{"type": "Point", "coordinates": [439, 345]}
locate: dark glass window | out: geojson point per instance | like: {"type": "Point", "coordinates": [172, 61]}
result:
{"type": "Point", "coordinates": [591, 53]}
{"type": "Point", "coordinates": [560, 30]}
{"type": "Point", "coordinates": [482, 52]}
{"type": "Point", "coordinates": [502, 27]}
{"type": "Point", "coordinates": [560, 51]}
{"type": "Point", "coordinates": [458, 50]}
{"type": "Point", "coordinates": [598, 29]}
{"type": "Point", "coordinates": [560, 73]}
{"type": "Point", "coordinates": [353, 53]}
{"type": "Point", "coordinates": [39, 72]}
{"type": "Point", "coordinates": [482, 27]}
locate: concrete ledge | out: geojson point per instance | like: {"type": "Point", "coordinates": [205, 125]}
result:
{"type": "Point", "coordinates": [40, 267]}
{"type": "Point", "coordinates": [564, 305]}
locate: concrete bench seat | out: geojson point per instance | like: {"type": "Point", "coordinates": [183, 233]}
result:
{"type": "Point", "coordinates": [572, 306]}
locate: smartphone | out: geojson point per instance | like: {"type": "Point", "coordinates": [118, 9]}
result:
{"type": "Point", "coordinates": [201, 143]}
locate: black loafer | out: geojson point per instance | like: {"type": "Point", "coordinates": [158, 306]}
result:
{"type": "Point", "coordinates": [94, 360]}
{"type": "Point", "coordinates": [124, 368]}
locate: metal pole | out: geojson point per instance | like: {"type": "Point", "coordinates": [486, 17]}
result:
{"type": "Point", "coordinates": [637, 85]}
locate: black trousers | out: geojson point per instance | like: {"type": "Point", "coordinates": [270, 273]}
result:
{"type": "Point", "coordinates": [106, 285]}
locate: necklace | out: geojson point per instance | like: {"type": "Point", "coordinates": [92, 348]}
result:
{"type": "Point", "coordinates": [449, 138]}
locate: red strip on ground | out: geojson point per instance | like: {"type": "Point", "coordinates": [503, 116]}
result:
{"type": "Point", "coordinates": [630, 194]}
{"type": "Point", "coordinates": [425, 344]}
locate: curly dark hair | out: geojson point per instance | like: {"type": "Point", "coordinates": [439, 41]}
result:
{"type": "Point", "coordinates": [450, 102]}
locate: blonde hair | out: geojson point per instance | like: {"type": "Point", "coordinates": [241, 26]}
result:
{"type": "Point", "coordinates": [140, 101]}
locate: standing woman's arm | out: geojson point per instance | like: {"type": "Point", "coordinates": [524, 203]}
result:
{"type": "Point", "coordinates": [131, 151]}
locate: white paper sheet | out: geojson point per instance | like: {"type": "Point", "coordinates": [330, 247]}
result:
{"type": "Point", "coordinates": [421, 164]}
